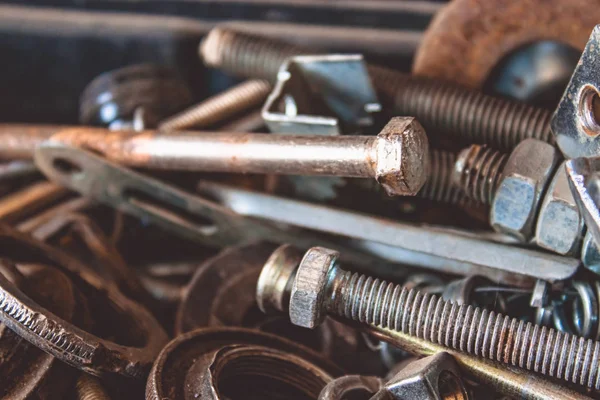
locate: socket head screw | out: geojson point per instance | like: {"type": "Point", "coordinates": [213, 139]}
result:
{"type": "Point", "coordinates": [402, 157]}
{"type": "Point", "coordinates": [309, 288]}
{"type": "Point", "coordinates": [276, 278]}
{"type": "Point", "coordinates": [516, 203]}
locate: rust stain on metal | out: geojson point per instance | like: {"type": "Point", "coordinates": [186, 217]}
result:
{"type": "Point", "coordinates": [467, 38]}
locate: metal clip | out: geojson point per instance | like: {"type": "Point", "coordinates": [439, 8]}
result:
{"type": "Point", "coordinates": [316, 96]}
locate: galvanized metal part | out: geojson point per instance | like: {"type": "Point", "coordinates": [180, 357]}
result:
{"type": "Point", "coordinates": [440, 249]}
{"type": "Point", "coordinates": [312, 96]}
{"type": "Point", "coordinates": [560, 226]}
{"type": "Point", "coordinates": [576, 122]}
{"type": "Point", "coordinates": [584, 181]}
{"type": "Point", "coordinates": [590, 253]}
{"type": "Point", "coordinates": [432, 377]}
{"type": "Point", "coordinates": [524, 179]}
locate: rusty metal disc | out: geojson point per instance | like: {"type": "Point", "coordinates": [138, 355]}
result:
{"type": "Point", "coordinates": [468, 38]}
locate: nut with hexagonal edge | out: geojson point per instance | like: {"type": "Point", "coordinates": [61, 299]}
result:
{"type": "Point", "coordinates": [514, 185]}
{"type": "Point", "coordinates": [433, 377]}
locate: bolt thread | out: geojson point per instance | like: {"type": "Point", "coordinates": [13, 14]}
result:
{"type": "Point", "coordinates": [89, 388]}
{"type": "Point", "coordinates": [467, 115]}
{"type": "Point", "coordinates": [466, 328]}
{"type": "Point", "coordinates": [477, 172]}
{"type": "Point", "coordinates": [246, 55]}
{"type": "Point", "coordinates": [244, 96]}
{"type": "Point", "coordinates": [439, 185]}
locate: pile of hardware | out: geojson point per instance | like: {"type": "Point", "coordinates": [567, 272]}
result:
{"type": "Point", "coordinates": [326, 228]}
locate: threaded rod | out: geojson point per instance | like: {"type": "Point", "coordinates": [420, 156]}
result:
{"type": "Point", "coordinates": [466, 328]}
{"type": "Point", "coordinates": [439, 185]}
{"type": "Point", "coordinates": [466, 115]}
{"type": "Point", "coordinates": [218, 108]}
{"type": "Point", "coordinates": [477, 172]}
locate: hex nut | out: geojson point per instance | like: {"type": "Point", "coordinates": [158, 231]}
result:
{"type": "Point", "coordinates": [402, 157]}
{"type": "Point", "coordinates": [308, 290]}
{"type": "Point", "coordinates": [433, 377]}
{"type": "Point", "coordinates": [590, 254]}
{"type": "Point", "coordinates": [524, 179]}
{"type": "Point", "coordinates": [560, 226]}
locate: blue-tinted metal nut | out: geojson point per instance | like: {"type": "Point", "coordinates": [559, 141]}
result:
{"type": "Point", "coordinates": [525, 177]}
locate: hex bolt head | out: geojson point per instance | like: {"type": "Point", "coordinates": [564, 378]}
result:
{"type": "Point", "coordinates": [433, 377]}
{"type": "Point", "coordinates": [525, 177]}
{"type": "Point", "coordinates": [276, 278]}
{"type": "Point", "coordinates": [310, 287]}
{"type": "Point", "coordinates": [560, 226]}
{"type": "Point", "coordinates": [402, 157]}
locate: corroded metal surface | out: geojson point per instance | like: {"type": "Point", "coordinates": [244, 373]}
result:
{"type": "Point", "coordinates": [468, 38]}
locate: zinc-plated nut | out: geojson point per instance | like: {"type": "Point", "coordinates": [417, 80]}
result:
{"type": "Point", "coordinates": [590, 254]}
{"type": "Point", "coordinates": [308, 290]}
{"type": "Point", "coordinates": [434, 377]}
{"type": "Point", "coordinates": [560, 226]}
{"type": "Point", "coordinates": [524, 179]}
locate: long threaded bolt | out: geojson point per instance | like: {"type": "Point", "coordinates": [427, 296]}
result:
{"type": "Point", "coordinates": [477, 172]}
{"type": "Point", "coordinates": [245, 54]}
{"type": "Point", "coordinates": [320, 286]}
{"type": "Point", "coordinates": [467, 115]}
{"type": "Point", "coordinates": [440, 186]}
{"type": "Point", "coordinates": [220, 107]}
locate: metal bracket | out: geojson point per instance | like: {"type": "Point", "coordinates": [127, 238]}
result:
{"type": "Point", "coordinates": [576, 121]}
{"type": "Point", "coordinates": [321, 94]}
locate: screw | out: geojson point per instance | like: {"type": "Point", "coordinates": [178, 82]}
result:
{"type": "Point", "coordinates": [88, 387]}
{"type": "Point", "coordinates": [477, 172]}
{"type": "Point", "coordinates": [467, 115]}
{"type": "Point", "coordinates": [320, 286]}
{"type": "Point", "coordinates": [218, 108]}
{"type": "Point", "coordinates": [439, 186]}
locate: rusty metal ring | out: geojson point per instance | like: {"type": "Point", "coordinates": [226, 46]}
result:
{"type": "Point", "coordinates": [27, 372]}
{"type": "Point", "coordinates": [467, 38]}
{"type": "Point", "coordinates": [233, 270]}
{"type": "Point", "coordinates": [62, 339]}
{"type": "Point", "coordinates": [238, 371]}
{"type": "Point", "coordinates": [167, 378]}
